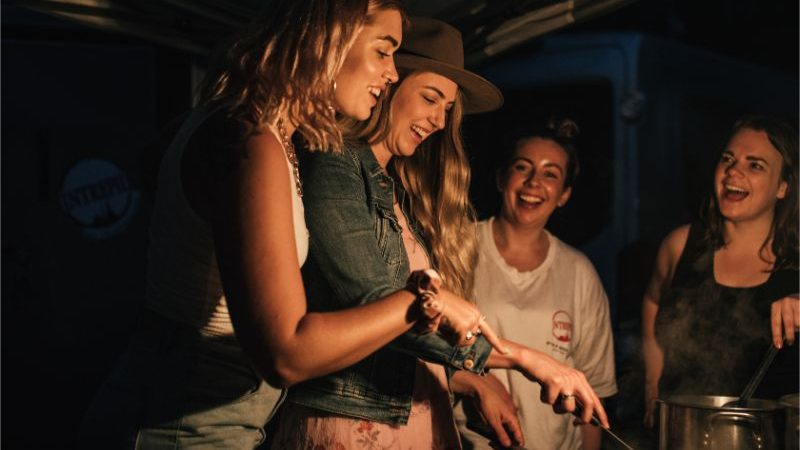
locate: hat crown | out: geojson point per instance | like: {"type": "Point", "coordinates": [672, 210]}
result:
{"type": "Point", "coordinates": [435, 40]}
{"type": "Point", "coordinates": [430, 45]}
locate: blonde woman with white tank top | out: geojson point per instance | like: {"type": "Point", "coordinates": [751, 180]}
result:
{"type": "Point", "coordinates": [225, 325]}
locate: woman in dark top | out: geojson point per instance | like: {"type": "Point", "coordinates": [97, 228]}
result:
{"type": "Point", "coordinates": [726, 286]}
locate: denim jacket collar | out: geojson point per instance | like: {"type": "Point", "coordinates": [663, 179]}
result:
{"type": "Point", "coordinates": [382, 179]}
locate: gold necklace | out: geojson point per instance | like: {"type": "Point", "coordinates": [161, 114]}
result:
{"type": "Point", "coordinates": [292, 156]}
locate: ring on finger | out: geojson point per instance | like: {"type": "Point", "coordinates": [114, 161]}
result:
{"type": "Point", "coordinates": [469, 335]}
{"type": "Point", "coordinates": [567, 396]}
{"type": "Point", "coordinates": [478, 331]}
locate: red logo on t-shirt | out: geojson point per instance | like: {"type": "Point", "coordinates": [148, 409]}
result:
{"type": "Point", "coordinates": [562, 326]}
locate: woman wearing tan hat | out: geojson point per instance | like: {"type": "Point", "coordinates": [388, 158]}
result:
{"type": "Point", "coordinates": [225, 324]}
{"type": "Point", "coordinates": [394, 202]}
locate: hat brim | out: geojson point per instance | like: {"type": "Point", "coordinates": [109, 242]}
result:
{"type": "Point", "coordinates": [479, 94]}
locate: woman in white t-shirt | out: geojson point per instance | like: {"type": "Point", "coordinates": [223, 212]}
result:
{"type": "Point", "coordinates": [537, 290]}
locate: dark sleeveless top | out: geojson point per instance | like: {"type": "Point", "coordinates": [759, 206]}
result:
{"type": "Point", "coordinates": [715, 336]}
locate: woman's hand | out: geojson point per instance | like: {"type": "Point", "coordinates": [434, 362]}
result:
{"type": "Point", "coordinates": [562, 386]}
{"type": "Point", "coordinates": [498, 410]}
{"type": "Point", "coordinates": [441, 308]}
{"type": "Point", "coordinates": [464, 320]}
{"type": "Point", "coordinates": [785, 319]}
{"type": "Point", "coordinates": [493, 403]}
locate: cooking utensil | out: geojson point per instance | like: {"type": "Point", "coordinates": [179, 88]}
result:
{"type": "Point", "coordinates": [755, 380]}
{"type": "Point", "coordinates": [691, 422]}
{"type": "Point", "coordinates": [596, 421]}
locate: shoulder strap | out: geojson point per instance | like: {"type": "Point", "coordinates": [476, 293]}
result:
{"type": "Point", "coordinates": [696, 262]}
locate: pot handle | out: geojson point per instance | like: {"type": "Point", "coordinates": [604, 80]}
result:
{"type": "Point", "coordinates": [758, 439]}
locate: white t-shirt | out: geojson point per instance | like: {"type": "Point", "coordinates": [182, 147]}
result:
{"type": "Point", "coordinates": [559, 308]}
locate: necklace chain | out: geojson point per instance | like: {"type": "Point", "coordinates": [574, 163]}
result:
{"type": "Point", "coordinates": [292, 156]}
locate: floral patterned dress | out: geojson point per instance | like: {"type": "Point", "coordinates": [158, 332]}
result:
{"type": "Point", "coordinates": [430, 423]}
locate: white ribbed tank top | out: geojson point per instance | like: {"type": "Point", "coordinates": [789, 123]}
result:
{"type": "Point", "coordinates": [183, 281]}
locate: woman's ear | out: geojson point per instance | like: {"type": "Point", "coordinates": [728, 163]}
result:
{"type": "Point", "coordinates": [782, 188]}
{"type": "Point", "coordinates": [500, 179]}
{"type": "Point", "coordinates": [565, 197]}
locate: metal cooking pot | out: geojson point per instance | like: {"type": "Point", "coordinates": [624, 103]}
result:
{"type": "Point", "coordinates": [791, 405]}
{"type": "Point", "coordinates": [690, 422]}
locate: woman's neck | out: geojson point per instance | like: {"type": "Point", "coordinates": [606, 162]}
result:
{"type": "Point", "coordinates": [742, 262]}
{"type": "Point", "coordinates": [522, 248]}
{"type": "Point", "coordinates": [747, 235]}
{"type": "Point", "coordinates": [382, 154]}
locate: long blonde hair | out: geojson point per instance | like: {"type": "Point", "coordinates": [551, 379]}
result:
{"type": "Point", "coordinates": [437, 180]}
{"type": "Point", "coordinates": [287, 58]}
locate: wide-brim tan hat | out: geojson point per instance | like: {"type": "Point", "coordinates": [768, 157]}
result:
{"type": "Point", "coordinates": [432, 45]}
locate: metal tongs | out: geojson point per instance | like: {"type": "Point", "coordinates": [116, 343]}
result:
{"type": "Point", "coordinates": [595, 421]}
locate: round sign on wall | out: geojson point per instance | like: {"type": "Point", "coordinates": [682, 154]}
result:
{"type": "Point", "coordinates": [98, 195]}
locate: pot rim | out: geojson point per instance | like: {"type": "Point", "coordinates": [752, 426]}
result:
{"type": "Point", "coordinates": [716, 402]}
{"type": "Point", "coordinates": [791, 401]}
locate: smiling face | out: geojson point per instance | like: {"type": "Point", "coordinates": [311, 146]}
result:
{"type": "Point", "coordinates": [533, 184]}
{"type": "Point", "coordinates": [747, 180]}
{"type": "Point", "coordinates": [369, 65]}
{"type": "Point", "coordinates": [419, 108]}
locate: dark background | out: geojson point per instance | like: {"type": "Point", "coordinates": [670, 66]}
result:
{"type": "Point", "coordinates": [69, 298]}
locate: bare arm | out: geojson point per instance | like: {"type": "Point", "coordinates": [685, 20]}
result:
{"type": "Point", "coordinates": [666, 260]}
{"type": "Point", "coordinates": [255, 246]}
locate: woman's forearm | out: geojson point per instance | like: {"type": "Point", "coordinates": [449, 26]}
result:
{"type": "Point", "coordinates": [342, 338]}
{"type": "Point", "coordinates": [467, 384]}
{"type": "Point", "coordinates": [513, 359]}
{"type": "Point", "coordinates": [651, 350]}
{"type": "Point", "coordinates": [314, 344]}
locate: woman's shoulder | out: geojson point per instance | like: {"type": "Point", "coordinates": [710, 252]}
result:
{"type": "Point", "coordinates": [570, 256]}
{"type": "Point", "coordinates": [219, 136]}
{"type": "Point", "coordinates": [675, 242]}
{"type": "Point", "coordinates": [484, 231]}
{"type": "Point", "coordinates": [329, 174]}
{"type": "Point", "coordinates": [484, 224]}
{"type": "Point", "coordinates": [219, 123]}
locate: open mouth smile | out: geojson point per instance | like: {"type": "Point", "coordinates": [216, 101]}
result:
{"type": "Point", "coordinates": [530, 200]}
{"type": "Point", "coordinates": [420, 133]}
{"type": "Point", "coordinates": [733, 193]}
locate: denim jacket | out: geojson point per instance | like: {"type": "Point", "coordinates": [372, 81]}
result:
{"type": "Point", "coordinates": [356, 255]}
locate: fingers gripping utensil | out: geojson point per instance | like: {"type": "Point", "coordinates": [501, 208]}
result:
{"type": "Point", "coordinates": [595, 421]}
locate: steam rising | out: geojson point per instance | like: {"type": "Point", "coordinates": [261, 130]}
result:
{"type": "Point", "coordinates": [712, 339]}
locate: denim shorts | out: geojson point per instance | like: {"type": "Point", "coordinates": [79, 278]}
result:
{"type": "Point", "coordinates": [178, 388]}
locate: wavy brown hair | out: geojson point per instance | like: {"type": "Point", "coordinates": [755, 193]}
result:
{"type": "Point", "coordinates": [784, 230]}
{"type": "Point", "coordinates": [287, 58]}
{"type": "Point", "coordinates": [437, 180]}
